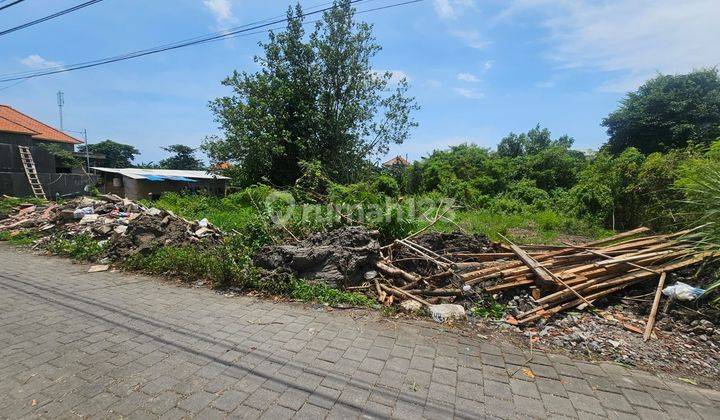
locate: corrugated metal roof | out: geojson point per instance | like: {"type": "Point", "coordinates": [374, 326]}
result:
{"type": "Point", "coordinates": [139, 173]}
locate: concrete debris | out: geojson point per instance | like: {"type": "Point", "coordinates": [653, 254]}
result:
{"type": "Point", "coordinates": [123, 226]}
{"type": "Point", "coordinates": [98, 268]}
{"type": "Point", "coordinates": [411, 306]}
{"type": "Point", "coordinates": [447, 312]}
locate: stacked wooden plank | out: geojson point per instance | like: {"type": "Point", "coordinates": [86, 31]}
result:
{"type": "Point", "coordinates": [577, 276]}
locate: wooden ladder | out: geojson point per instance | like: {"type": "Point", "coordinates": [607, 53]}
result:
{"type": "Point", "coordinates": [32, 176]}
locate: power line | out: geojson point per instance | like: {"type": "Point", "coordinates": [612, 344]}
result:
{"type": "Point", "coordinates": [13, 85]}
{"type": "Point", "coordinates": [46, 18]}
{"type": "Point", "coordinates": [59, 67]}
{"type": "Point", "coordinates": [194, 41]}
{"type": "Point", "coordinates": [11, 4]}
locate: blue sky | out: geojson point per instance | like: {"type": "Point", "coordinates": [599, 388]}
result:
{"type": "Point", "coordinates": [479, 69]}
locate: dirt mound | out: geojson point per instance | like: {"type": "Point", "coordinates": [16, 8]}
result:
{"type": "Point", "coordinates": [339, 258]}
{"type": "Point", "coordinates": [146, 232]}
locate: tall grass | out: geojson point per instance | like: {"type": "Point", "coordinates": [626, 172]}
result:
{"type": "Point", "coordinates": [701, 185]}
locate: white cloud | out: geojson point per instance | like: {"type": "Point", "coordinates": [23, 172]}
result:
{"type": "Point", "coordinates": [36, 62]}
{"type": "Point", "coordinates": [221, 9]}
{"type": "Point", "coordinates": [488, 65]}
{"type": "Point", "coordinates": [471, 37]}
{"type": "Point", "coordinates": [632, 38]}
{"type": "Point", "coordinates": [452, 9]}
{"type": "Point", "coordinates": [467, 77]}
{"type": "Point", "coordinates": [469, 93]}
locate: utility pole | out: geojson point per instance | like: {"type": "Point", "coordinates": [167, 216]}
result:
{"type": "Point", "coordinates": [87, 150]}
{"type": "Point", "coordinates": [61, 102]}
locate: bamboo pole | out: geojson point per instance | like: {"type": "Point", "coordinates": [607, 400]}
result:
{"type": "Point", "coordinates": [653, 312]}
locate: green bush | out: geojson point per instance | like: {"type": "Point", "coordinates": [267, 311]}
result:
{"type": "Point", "coordinates": [82, 247]}
{"type": "Point", "coordinates": [322, 293]}
{"type": "Point", "coordinates": [387, 185]}
{"type": "Point", "coordinates": [24, 237]}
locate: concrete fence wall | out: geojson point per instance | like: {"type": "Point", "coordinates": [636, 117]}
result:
{"type": "Point", "coordinates": [17, 185]}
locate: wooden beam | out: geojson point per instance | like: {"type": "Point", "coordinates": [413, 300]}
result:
{"type": "Point", "coordinates": [653, 312]}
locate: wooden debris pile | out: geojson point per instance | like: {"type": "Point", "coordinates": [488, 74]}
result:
{"type": "Point", "coordinates": [559, 277]}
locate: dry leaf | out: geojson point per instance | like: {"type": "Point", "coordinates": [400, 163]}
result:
{"type": "Point", "coordinates": [34, 403]}
{"type": "Point", "coordinates": [529, 373]}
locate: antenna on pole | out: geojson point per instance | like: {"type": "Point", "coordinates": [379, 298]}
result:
{"type": "Point", "coordinates": [87, 150]}
{"type": "Point", "coordinates": [61, 102]}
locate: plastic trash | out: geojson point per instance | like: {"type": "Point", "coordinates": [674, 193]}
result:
{"type": "Point", "coordinates": [82, 212]}
{"type": "Point", "coordinates": [203, 223]}
{"type": "Point", "coordinates": [682, 291]}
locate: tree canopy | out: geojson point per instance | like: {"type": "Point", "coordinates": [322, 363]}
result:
{"type": "Point", "coordinates": [534, 141]}
{"type": "Point", "coordinates": [316, 98]}
{"type": "Point", "coordinates": [183, 157]}
{"type": "Point", "coordinates": [117, 155]}
{"type": "Point", "coordinates": [667, 112]}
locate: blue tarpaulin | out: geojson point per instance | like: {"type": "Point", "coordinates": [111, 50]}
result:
{"type": "Point", "coordinates": [181, 178]}
{"type": "Point", "coordinates": [160, 178]}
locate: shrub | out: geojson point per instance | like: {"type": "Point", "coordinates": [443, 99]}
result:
{"type": "Point", "coordinates": [82, 247]}
{"type": "Point", "coordinates": [387, 185]}
{"type": "Point", "coordinates": [322, 293]}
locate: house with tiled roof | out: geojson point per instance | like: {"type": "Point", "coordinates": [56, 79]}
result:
{"type": "Point", "coordinates": [397, 160]}
{"type": "Point", "coordinates": [47, 146]}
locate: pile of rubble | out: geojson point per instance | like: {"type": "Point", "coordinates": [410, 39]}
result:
{"type": "Point", "coordinates": [123, 226]}
{"type": "Point", "coordinates": [341, 258]}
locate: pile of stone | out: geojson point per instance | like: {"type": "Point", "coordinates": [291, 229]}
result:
{"type": "Point", "coordinates": [126, 227]}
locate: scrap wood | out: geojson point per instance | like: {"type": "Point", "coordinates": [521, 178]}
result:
{"type": "Point", "coordinates": [541, 271]}
{"type": "Point", "coordinates": [402, 293]}
{"type": "Point", "coordinates": [396, 272]}
{"type": "Point", "coordinates": [653, 312]}
{"type": "Point", "coordinates": [436, 292]}
{"type": "Point", "coordinates": [381, 294]}
{"type": "Point", "coordinates": [426, 253]}
{"type": "Point", "coordinates": [607, 288]}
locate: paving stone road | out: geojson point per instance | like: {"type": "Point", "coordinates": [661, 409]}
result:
{"type": "Point", "coordinates": [111, 345]}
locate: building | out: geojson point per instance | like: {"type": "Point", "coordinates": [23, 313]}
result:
{"type": "Point", "coordinates": [137, 183]}
{"type": "Point", "coordinates": [45, 143]}
{"type": "Point", "coordinates": [397, 160]}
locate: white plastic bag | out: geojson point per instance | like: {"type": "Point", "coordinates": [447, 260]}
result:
{"type": "Point", "coordinates": [682, 291]}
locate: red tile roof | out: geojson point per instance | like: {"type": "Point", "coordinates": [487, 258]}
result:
{"type": "Point", "coordinates": [397, 160]}
{"type": "Point", "coordinates": [32, 126]}
{"type": "Point", "coordinates": [11, 127]}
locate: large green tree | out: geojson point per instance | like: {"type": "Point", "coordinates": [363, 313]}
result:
{"type": "Point", "coordinates": [117, 155]}
{"type": "Point", "coordinates": [316, 98]}
{"type": "Point", "coordinates": [183, 157]}
{"type": "Point", "coordinates": [534, 141]}
{"type": "Point", "coordinates": [667, 112]}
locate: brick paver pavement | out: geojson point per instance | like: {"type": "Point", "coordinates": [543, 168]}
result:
{"type": "Point", "coordinates": [118, 345]}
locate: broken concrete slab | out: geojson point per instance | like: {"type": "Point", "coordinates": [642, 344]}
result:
{"type": "Point", "coordinates": [98, 268]}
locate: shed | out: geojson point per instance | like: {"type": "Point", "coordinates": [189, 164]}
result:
{"type": "Point", "coordinates": [137, 183]}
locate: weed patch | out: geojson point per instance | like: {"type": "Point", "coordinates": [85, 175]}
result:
{"type": "Point", "coordinates": [24, 237]}
{"type": "Point", "coordinates": [322, 293]}
{"type": "Point", "coordinates": [81, 247]}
